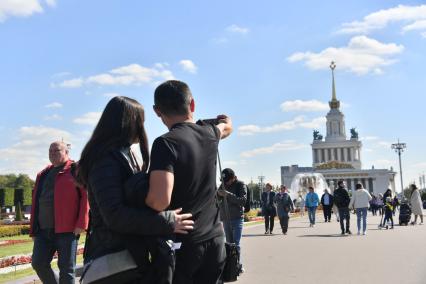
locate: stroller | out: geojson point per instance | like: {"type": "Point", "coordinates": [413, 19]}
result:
{"type": "Point", "coordinates": [404, 214]}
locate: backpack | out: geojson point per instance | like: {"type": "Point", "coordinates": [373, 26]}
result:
{"type": "Point", "coordinates": [247, 205]}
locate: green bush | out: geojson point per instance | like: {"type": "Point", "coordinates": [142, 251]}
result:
{"type": "Point", "coordinates": [6, 196]}
{"type": "Point", "coordinates": [14, 230]}
{"type": "Point", "coordinates": [424, 195]}
{"type": "Point", "coordinates": [23, 196]}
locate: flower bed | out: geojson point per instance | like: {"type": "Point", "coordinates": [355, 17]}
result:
{"type": "Point", "coordinates": [13, 242]}
{"type": "Point", "coordinates": [24, 259]}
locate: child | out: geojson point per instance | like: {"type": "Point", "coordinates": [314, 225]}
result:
{"type": "Point", "coordinates": [388, 206]}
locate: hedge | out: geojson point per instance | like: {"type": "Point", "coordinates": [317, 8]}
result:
{"type": "Point", "coordinates": [23, 196]}
{"type": "Point", "coordinates": [14, 230]}
{"type": "Point", "coordinates": [6, 196]}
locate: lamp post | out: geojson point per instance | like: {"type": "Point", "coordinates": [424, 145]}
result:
{"type": "Point", "coordinates": [399, 148]}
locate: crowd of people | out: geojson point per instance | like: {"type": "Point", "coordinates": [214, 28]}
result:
{"type": "Point", "coordinates": [342, 203]}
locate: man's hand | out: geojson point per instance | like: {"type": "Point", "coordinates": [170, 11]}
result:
{"type": "Point", "coordinates": [182, 224]}
{"type": "Point", "coordinates": [78, 231]}
{"type": "Point", "coordinates": [222, 192]}
{"type": "Point", "coordinates": [225, 125]}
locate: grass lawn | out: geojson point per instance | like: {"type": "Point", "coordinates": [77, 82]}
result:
{"type": "Point", "coordinates": [27, 272]}
{"type": "Point", "coordinates": [23, 248]}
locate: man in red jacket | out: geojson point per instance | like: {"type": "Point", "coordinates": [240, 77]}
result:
{"type": "Point", "coordinates": [59, 214]}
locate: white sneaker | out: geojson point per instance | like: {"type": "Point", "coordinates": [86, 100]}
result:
{"type": "Point", "coordinates": [359, 233]}
{"type": "Point", "coordinates": [364, 233]}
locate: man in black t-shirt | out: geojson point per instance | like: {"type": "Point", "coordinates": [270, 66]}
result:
{"type": "Point", "coordinates": [183, 175]}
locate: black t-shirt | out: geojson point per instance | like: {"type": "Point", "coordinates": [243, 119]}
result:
{"type": "Point", "coordinates": [189, 151]}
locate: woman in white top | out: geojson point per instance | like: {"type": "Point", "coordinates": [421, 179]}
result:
{"type": "Point", "coordinates": [360, 201]}
{"type": "Point", "coordinates": [416, 204]}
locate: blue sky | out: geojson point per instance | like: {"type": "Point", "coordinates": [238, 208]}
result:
{"type": "Point", "coordinates": [265, 65]}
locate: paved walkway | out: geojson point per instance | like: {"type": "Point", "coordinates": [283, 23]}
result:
{"type": "Point", "coordinates": [321, 255]}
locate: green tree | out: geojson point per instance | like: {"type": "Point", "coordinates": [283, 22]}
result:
{"type": "Point", "coordinates": [255, 189]}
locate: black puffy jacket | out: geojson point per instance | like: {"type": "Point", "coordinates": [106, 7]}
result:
{"type": "Point", "coordinates": [114, 225]}
{"type": "Point", "coordinates": [341, 198]}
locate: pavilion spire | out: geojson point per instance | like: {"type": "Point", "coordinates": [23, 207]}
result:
{"type": "Point", "coordinates": [334, 103]}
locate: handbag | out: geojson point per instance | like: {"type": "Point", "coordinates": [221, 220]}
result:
{"type": "Point", "coordinates": [118, 267]}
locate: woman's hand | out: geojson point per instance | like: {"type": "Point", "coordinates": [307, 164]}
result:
{"type": "Point", "coordinates": [182, 222]}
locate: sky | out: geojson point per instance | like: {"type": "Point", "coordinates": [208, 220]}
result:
{"type": "Point", "coordinates": [265, 64]}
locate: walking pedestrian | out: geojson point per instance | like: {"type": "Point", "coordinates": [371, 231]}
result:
{"type": "Point", "coordinates": [311, 202]}
{"type": "Point", "coordinates": [360, 201]}
{"type": "Point", "coordinates": [327, 204]}
{"type": "Point", "coordinates": [416, 204]}
{"type": "Point", "coordinates": [284, 207]}
{"type": "Point", "coordinates": [342, 200]}
{"type": "Point", "coordinates": [269, 210]}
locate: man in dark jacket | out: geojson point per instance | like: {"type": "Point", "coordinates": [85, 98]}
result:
{"type": "Point", "coordinates": [234, 196]}
{"type": "Point", "coordinates": [59, 215]}
{"type": "Point", "coordinates": [268, 208]}
{"type": "Point", "coordinates": [327, 204]}
{"type": "Point", "coordinates": [342, 200]}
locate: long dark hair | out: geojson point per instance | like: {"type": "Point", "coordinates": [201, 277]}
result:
{"type": "Point", "coordinates": [121, 124]}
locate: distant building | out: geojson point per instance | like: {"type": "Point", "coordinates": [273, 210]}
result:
{"type": "Point", "coordinates": [339, 158]}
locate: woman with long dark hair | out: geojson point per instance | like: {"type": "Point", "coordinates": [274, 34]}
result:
{"type": "Point", "coordinates": [106, 163]}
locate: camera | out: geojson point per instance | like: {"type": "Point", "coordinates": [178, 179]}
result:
{"type": "Point", "coordinates": [213, 121]}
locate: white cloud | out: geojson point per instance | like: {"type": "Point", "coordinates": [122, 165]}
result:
{"type": "Point", "coordinates": [133, 74]}
{"type": "Point", "coordinates": [277, 147]}
{"type": "Point", "coordinates": [237, 29]}
{"type": "Point", "coordinates": [54, 105]}
{"type": "Point", "coordinates": [361, 56]}
{"type": "Point", "coordinates": [19, 8]}
{"type": "Point", "coordinates": [424, 34]}
{"type": "Point", "coordinates": [188, 66]}
{"type": "Point", "coordinates": [72, 83]}
{"type": "Point", "coordinates": [51, 3]}
{"type": "Point", "coordinates": [30, 153]}
{"type": "Point", "coordinates": [297, 122]}
{"type": "Point", "coordinates": [111, 95]}
{"type": "Point", "coordinates": [53, 117]}
{"type": "Point", "coordinates": [306, 106]}
{"type": "Point", "coordinates": [381, 19]}
{"type": "Point", "coordinates": [419, 166]}
{"type": "Point", "coordinates": [90, 118]}
{"type": "Point", "coordinates": [417, 25]}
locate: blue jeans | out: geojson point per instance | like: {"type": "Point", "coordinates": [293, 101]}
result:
{"type": "Point", "coordinates": [46, 243]}
{"type": "Point", "coordinates": [311, 214]}
{"type": "Point", "coordinates": [237, 230]}
{"type": "Point", "coordinates": [361, 213]}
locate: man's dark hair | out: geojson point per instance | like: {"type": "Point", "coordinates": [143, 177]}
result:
{"type": "Point", "coordinates": [358, 186]}
{"type": "Point", "coordinates": [172, 98]}
{"type": "Point", "coordinates": [340, 183]}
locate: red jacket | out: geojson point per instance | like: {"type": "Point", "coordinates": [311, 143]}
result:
{"type": "Point", "coordinates": [70, 202]}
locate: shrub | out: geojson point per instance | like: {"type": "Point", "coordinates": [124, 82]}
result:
{"type": "Point", "coordinates": [23, 196]}
{"type": "Point", "coordinates": [6, 196]}
{"type": "Point", "coordinates": [14, 230]}
{"type": "Point", "coordinates": [18, 213]}
{"type": "Point", "coordinates": [251, 214]}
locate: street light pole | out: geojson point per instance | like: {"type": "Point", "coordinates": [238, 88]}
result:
{"type": "Point", "coordinates": [399, 148]}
